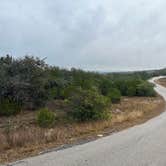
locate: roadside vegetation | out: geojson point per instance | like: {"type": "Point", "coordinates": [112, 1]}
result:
{"type": "Point", "coordinates": [45, 106]}
{"type": "Point", "coordinates": [29, 83]}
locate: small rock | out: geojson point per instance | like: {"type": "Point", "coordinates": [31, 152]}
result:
{"type": "Point", "coordinates": [117, 111]}
{"type": "Point", "coordinates": [100, 135]}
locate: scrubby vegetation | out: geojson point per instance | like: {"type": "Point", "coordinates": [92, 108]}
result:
{"type": "Point", "coordinates": [29, 83]}
{"type": "Point", "coordinates": [45, 118]}
{"type": "Point", "coordinates": [21, 137]}
{"type": "Point", "coordinates": [23, 81]}
{"type": "Point", "coordinates": [89, 105]}
{"type": "Point", "coordinates": [8, 107]}
{"type": "Point", "coordinates": [43, 106]}
{"type": "Point", "coordinates": [145, 89]}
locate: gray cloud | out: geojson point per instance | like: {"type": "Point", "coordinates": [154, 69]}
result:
{"type": "Point", "coordinates": [90, 34]}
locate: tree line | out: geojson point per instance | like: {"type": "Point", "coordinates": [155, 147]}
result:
{"type": "Point", "coordinates": [29, 83]}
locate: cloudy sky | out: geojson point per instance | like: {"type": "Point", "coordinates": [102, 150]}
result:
{"type": "Point", "coordinates": [105, 35]}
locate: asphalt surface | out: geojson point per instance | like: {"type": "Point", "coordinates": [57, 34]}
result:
{"type": "Point", "coordinates": [142, 145]}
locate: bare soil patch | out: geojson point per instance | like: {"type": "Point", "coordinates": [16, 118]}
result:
{"type": "Point", "coordinates": [20, 136]}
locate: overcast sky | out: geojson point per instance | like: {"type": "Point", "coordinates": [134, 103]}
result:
{"type": "Point", "coordinates": [105, 35]}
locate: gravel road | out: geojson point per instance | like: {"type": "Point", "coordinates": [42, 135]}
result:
{"type": "Point", "coordinates": [142, 145]}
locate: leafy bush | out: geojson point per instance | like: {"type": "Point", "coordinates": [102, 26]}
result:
{"type": "Point", "coordinates": [23, 80]}
{"type": "Point", "coordinates": [45, 118]}
{"type": "Point", "coordinates": [105, 87]}
{"type": "Point", "coordinates": [114, 95]}
{"type": "Point", "coordinates": [88, 105]}
{"type": "Point", "coordinates": [122, 85]}
{"type": "Point", "coordinates": [131, 91]}
{"type": "Point", "coordinates": [127, 86]}
{"type": "Point", "coordinates": [68, 91]}
{"type": "Point", "coordinates": [145, 89]}
{"type": "Point", "coordinates": [135, 87]}
{"type": "Point", "coordinates": [8, 107]}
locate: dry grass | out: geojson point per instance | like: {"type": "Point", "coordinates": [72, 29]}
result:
{"type": "Point", "coordinates": [20, 136]}
{"type": "Point", "coordinates": [162, 81]}
{"type": "Point", "coordinates": [128, 117]}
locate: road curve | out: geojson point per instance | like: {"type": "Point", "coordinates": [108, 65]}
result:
{"type": "Point", "coordinates": [142, 145]}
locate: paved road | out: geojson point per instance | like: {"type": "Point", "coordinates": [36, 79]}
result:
{"type": "Point", "coordinates": [143, 145]}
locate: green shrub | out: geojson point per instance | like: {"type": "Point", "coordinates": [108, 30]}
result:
{"type": "Point", "coordinates": [114, 95]}
{"type": "Point", "coordinates": [105, 87]}
{"type": "Point", "coordinates": [8, 107]}
{"type": "Point", "coordinates": [68, 91]}
{"type": "Point", "coordinates": [127, 86]}
{"type": "Point", "coordinates": [131, 91]}
{"type": "Point", "coordinates": [45, 118]}
{"type": "Point", "coordinates": [24, 80]}
{"type": "Point", "coordinates": [145, 89]}
{"type": "Point", "coordinates": [88, 105]}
